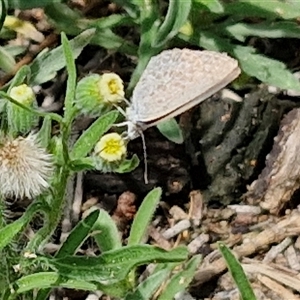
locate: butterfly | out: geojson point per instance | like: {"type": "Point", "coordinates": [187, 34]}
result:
{"type": "Point", "coordinates": [175, 81]}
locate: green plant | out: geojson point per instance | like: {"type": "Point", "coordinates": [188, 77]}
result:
{"type": "Point", "coordinates": [113, 271]}
{"type": "Point", "coordinates": [215, 25]}
{"type": "Point", "coordinates": [210, 24]}
{"type": "Point", "coordinates": [237, 273]}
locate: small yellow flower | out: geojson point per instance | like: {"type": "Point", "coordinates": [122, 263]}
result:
{"type": "Point", "coordinates": [111, 148]}
{"type": "Point", "coordinates": [23, 94]}
{"type": "Point", "coordinates": [112, 88]}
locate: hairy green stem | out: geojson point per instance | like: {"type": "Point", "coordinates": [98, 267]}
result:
{"type": "Point", "coordinates": [55, 213]}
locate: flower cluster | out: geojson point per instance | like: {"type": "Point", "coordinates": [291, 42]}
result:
{"type": "Point", "coordinates": [97, 94]}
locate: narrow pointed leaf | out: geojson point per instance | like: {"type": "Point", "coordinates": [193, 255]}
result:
{"type": "Point", "coordinates": [45, 66]}
{"type": "Point", "coordinates": [237, 273]}
{"type": "Point", "coordinates": [91, 136]}
{"type": "Point", "coordinates": [109, 237]}
{"type": "Point", "coordinates": [146, 289]}
{"type": "Point", "coordinates": [45, 280]}
{"type": "Point", "coordinates": [144, 216]}
{"type": "Point", "coordinates": [78, 235]}
{"type": "Point", "coordinates": [181, 280]}
{"type": "Point", "coordinates": [113, 266]}
{"type": "Point", "coordinates": [177, 15]}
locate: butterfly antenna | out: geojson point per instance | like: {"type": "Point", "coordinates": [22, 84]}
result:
{"type": "Point", "coordinates": [145, 157]}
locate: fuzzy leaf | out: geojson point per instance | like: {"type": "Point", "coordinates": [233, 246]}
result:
{"type": "Point", "coordinates": [144, 216]}
{"type": "Point", "coordinates": [46, 65]}
{"type": "Point", "coordinates": [171, 130]}
{"type": "Point", "coordinates": [267, 70]}
{"type": "Point", "coordinates": [108, 236]}
{"type": "Point", "coordinates": [91, 136]}
{"type": "Point", "coordinates": [128, 165]}
{"type": "Point", "coordinates": [49, 280]}
{"type": "Point", "coordinates": [113, 266]}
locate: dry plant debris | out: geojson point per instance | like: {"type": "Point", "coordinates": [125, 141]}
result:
{"type": "Point", "coordinates": [281, 176]}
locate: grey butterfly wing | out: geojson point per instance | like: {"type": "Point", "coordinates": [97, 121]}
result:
{"type": "Point", "coordinates": [177, 80]}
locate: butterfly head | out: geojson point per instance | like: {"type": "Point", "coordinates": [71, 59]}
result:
{"type": "Point", "coordinates": [132, 128]}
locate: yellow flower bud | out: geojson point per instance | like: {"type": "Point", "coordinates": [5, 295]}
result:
{"type": "Point", "coordinates": [20, 120]}
{"type": "Point", "coordinates": [23, 94]}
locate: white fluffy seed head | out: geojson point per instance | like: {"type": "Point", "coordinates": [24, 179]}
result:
{"type": "Point", "coordinates": [25, 167]}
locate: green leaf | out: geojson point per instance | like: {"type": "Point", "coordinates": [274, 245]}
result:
{"type": "Point", "coordinates": [281, 29]}
{"type": "Point", "coordinates": [117, 290]}
{"type": "Point", "coordinates": [56, 148]}
{"type": "Point", "coordinates": [109, 40]}
{"type": "Point", "coordinates": [82, 164]}
{"type": "Point", "coordinates": [65, 18]}
{"type": "Point", "coordinates": [7, 61]}
{"type": "Point", "coordinates": [8, 232]}
{"type": "Point", "coordinates": [72, 23]}
{"type": "Point", "coordinates": [20, 77]}
{"type": "Point", "coordinates": [130, 7]}
{"type": "Point", "coordinates": [29, 4]}
{"type": "Point", "coordinates": [208, 39]}
{"type": "Point", "coordinates": [45, 280]}
{"type": "Point", "coordinates": [267, 70]}
{"type": "Point", "coordinates": [45, 66]}
{"type": "Point", "coordinates": [44, 134]}
{"type": "Point", "coordinates": [113, 266]}
{"type": "Point", "coordinates": [15, 50]}
{"type": "Point", "coordinates": [271, 9]}
{"type": "Point", "coordinates": [237, 273]}
{"type": "Point", "coordinates": [112, 21]}
{"type": "Point", "coordinates": [171, 130]}
{"type": "Point", "coordinates": [181, 280]}
{"type": "Point", "coordinates": [71, 82]}
{"type": "Point", "coordinates": [214, 6]}
{"type": "Point", "coordinates": [91, 136]}
{"type": "Point", "coordinates": [144, 216]}
{"type": "Point", "coordinates": [2, 13]}
{"type": "Point", "coordinates": [149, 25]}
{"type": "Point", "coordinates": [128, 165]}
{"type": "Point", "coordinates": [177, 15]}
{"type": "Point", "coordinates": [106, 233]}
{"type": "Point", "coordinates": [146, 289]}
{"type": "Point", "coordinates": [78, 235]}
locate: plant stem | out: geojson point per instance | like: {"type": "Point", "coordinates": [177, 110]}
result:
{"type": "Point", "coordinates": [55, 213]}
